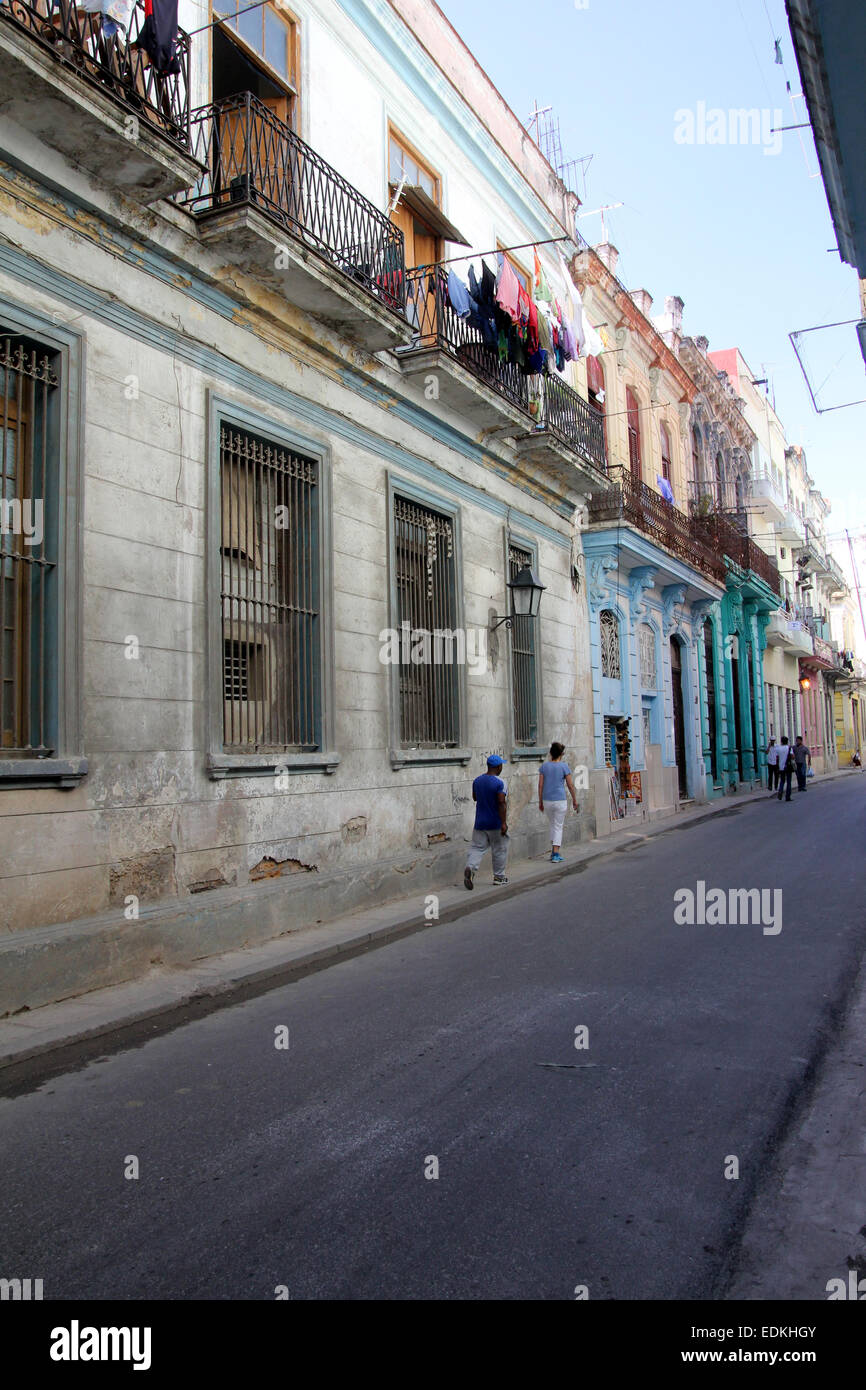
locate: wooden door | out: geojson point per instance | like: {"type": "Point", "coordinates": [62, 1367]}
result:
{"type": "Point", "coordinates": [423, 247]}
{"type": "Point", "coordinates": [255, 156]}
{"type": "Point", "coordinates": [679, 718]}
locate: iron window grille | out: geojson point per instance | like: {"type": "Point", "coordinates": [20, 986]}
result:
{"type": "Point", "coordinates": [269, 596]}
{"type": "Point", "coordinates": [610, 746]}
{"type": "Point", "coordinates": [28, 556]}
{"type": "Point", "coordinates": [610, 659]}
{"type": "Point", "coordinates": [426, 587]}
{"type": "Point", "coordinates": [647, 651]}
{"type": "Point", "coordinates": [524, 676]}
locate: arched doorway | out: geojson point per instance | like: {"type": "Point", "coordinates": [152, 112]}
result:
{"type": "Point", "coordinates": [679, 718]}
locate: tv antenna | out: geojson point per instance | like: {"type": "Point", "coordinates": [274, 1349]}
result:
{"type": "Point", "coordinates": [548, 137]}
{"type": "Point", "coordinates": [608, 207]}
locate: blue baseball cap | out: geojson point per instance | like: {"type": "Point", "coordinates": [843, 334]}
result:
{"type": "Point", "coordinates": [494, 760]}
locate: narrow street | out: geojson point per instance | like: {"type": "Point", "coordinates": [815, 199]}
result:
{"type": "Point", "coordinates": [603, 1166]}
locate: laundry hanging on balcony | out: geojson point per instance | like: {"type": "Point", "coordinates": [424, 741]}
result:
{"type": "Point", "coordinates": [158, 35]}
{"type": "Point", "coordinates": [508, 290]}
{"type": "Point", "coordinates": [116, 15]}
{"type": "Point", "coordinates": [541, 288]}
{"type": "Point", "coordinates": [458, 294]}
{"type": "Point", "coordinates": [665, 488]}
{"type": "Point", "coordinates": [535, 336]}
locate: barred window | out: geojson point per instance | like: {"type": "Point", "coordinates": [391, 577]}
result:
{"type": "Point", "coordinates": [647, 728]}
{"type": "Point", "coordinates": [427, 615]}
{"type": "Point", "coordinates": [647, 652]}
{"type": "Point", "coordinates": [269, 595]}
{"type": "Point", "coordinates": [610, 724]}
{"type": "Point", "coordinates": [524, 679]}
{"type": "Point", "coordinates": [28, 548]}
{"type": "Point", "coordinates": [610, 662]}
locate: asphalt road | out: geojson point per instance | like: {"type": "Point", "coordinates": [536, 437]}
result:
{"type": "Point", "coordinates": [305, 1167]}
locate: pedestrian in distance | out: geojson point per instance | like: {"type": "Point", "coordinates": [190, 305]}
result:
{"type": "Point", "coordinates": [786, 768]}
{"type": "Point", "coordinates": [489, 793]}
{"type": "Point", "coordinates": [855, 761]}
{"type": "Point", "coordinates": [802, 759]}
{"type": "Point", "coordinates": [772, 764]}
{"type": "Point", "coordinates": [554, 778]}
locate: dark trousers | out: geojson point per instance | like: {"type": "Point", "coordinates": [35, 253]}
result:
{"type": "Point", "coordinates": [772, 776]}
{"type": "Point", "coordinates": [785, 775]}
{"type": "Point", "coordinates": [801, 777]}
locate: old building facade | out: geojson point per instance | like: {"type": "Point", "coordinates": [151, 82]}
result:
{"type": "Point", "coordinates": [268, 446]}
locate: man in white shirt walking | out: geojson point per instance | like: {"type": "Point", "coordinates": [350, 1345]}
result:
{"type": "Point", "coordinates": [773, 764]}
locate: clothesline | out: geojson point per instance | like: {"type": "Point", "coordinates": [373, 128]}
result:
{"type": "Point", "coordinates": [497, 251]}
{"type": "Point", "coordinates": [227, 18]}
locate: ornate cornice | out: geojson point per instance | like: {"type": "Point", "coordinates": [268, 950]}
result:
{"type": "Point", "coordinates": [588, 269]}
{"type": "Point", "coordinates": [720, 400]}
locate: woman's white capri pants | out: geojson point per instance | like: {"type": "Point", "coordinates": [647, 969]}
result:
{"type": "Point", "coordinates": [556, 815]}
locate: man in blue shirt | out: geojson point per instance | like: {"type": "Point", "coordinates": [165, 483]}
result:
{"type": "Point", "coordinates": [491, 824]}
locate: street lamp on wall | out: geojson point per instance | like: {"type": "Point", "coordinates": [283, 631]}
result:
{"type": "Point", "coordinates": [525, 591]}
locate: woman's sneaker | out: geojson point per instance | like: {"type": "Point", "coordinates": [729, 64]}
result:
{"type": "Point", "coordinates": [556, 859]}
{"type": "Point", "coordinates": [468, 876]}
{"type": "Point", "coordinates": [499, 878]}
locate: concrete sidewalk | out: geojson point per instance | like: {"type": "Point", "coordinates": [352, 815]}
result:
{"type": "Point", "coordinates": [165, 998]}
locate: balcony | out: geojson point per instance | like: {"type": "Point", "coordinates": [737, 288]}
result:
{"type": "Point", "coordinates": [98, 101]}
{"type": "Point", "coordinates": [767, 498]}
{"type": "Point", "coordinates": [730, 540]}
{"type": "Point", "coordinates": [836, 574]}
{"type": "Point", "coordinates": [791, 530]}
{"type": "Point", "coordinates": [718, 498]}
{"type": "Point", "coordinates": [778, 629]}
{"type": "Point", "coordinates": [566, 422]}
{"type": "Point", "coordinates": [270, 205]}
{"type": "Point", "coordinates": [801, 642]}
{"type": "Point", "coordinates": [549, 421]}
{"type": "Point", "coordinates": [628, 499]}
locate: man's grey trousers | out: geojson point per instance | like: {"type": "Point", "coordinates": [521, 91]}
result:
{"type": "Point", "coordinates": [492, 840]}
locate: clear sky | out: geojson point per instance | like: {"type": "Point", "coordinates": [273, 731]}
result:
{"type": "Point", "coordinates": [742, 236]}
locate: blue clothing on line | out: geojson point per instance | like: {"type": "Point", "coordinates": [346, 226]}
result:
{"type": "Point", "coordinates": [458, 294]}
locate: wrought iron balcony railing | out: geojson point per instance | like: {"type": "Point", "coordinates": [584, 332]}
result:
{"type": "Point", "coordinates": [549, 403]}
{"type": "Point", "coordinates": [632, 500]}
{"type": "Point", "coordinates": [728, 539]}
{"type": "Point", "coordinates": [115, 65]}
{"type": "Point", "coordinates": [436, 325]}
{"type": "Point", "coordinates": [573, 420]}
{"type": "Point", "coordinates": [715, 498]}
{"type": "Point", "coordinates": [251, 156]}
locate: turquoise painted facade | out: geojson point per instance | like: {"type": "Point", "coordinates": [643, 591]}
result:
{"type": "Point", "coordinates": [733, 715]}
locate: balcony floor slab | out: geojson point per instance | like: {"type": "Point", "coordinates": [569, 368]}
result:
{"type": "Point", "coordinates": [257, 244]}
{"type": "Point", "coordinates": [462, 390]}
{"type": "Point", "coordinates": [118, 145]}
{"type": "Point", "coordinates": [562, 462]}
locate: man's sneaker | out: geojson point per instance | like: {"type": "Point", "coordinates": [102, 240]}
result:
{"type": "Point", "coordinates": [556, 859]}
{"type": "Point", "coordinates": [468, 876]}
{"type": "Point", "coordinates": [500, 878]}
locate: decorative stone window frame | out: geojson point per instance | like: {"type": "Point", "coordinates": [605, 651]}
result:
{"type": "Point", "coordinates": [399, 486]}
{"type": "Point", "coordinates": [68, 766]}
{"type": "Point", "coordinates": [522, 751]}
{"type": "Point", "coordinates": [221, 764]}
